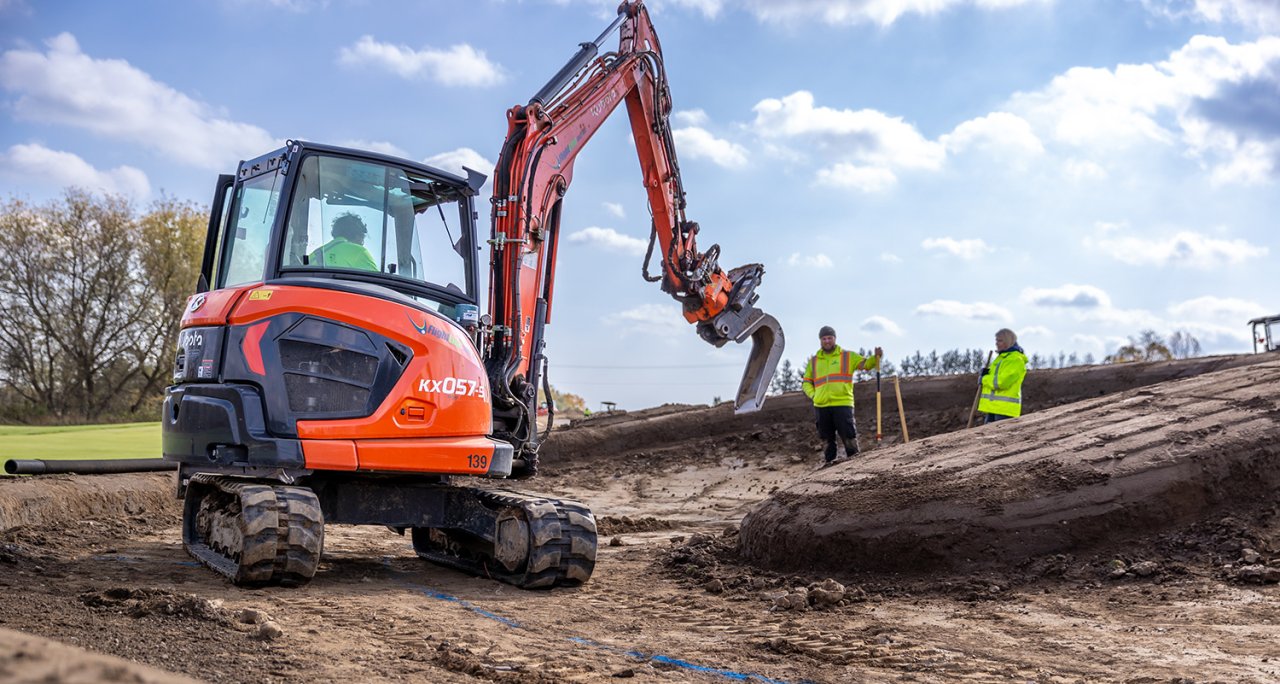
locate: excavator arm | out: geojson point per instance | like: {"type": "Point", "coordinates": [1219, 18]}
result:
{"type": "Point", "coordinates": [534, 172]}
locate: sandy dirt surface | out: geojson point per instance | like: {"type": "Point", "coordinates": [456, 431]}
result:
{"type": "Point", "coordinates": [672, 599]}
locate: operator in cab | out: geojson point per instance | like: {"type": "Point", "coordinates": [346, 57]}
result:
{"type": "Point", "coordinates": [346, 249]}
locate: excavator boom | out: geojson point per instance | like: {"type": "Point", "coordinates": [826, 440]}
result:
{"type": "Point", "coordinates": [534, 171]}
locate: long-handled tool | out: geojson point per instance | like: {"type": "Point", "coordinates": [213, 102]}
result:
{"type": "Point", "coordinates": [978, 395]}
{"type": "Point", "coordinates": [878, 434]}
{"type": "Point", "coordinates": [902, 415]}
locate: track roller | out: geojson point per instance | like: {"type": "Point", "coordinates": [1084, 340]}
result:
{"type": "Point", "coordinates": [253, 533]}
{"type": "Point", "coordinates": [537, 542]}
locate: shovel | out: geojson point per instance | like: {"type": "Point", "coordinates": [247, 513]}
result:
{"type": "Point", "coordinates": [974, 411]}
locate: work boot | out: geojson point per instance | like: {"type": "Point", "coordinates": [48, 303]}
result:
{"type": "Point", "coordinates": [851, 447]}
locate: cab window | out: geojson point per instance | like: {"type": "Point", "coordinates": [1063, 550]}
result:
{"type": "Point", "coordinates": [246, 246]}
{"type": "Point", "coordinates": [366, 217]}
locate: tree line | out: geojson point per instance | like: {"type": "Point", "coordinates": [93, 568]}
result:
{"type": "Point", "coordinates": [1148, 345]}
{"type": "Point", "coordinates": [91, 293]}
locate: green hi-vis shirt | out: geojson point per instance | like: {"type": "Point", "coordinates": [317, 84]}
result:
{"type": "Point", "coordinates": [1002, 385]}
{"type": "Point", "coordinates": [342, 253]}
{"type": "Point", "coordinates": [828, 377]}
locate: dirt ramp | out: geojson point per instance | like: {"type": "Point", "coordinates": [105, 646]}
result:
{"type": "Point", "coordinates": [934, 405]}
{"type": "Point", "coordinates": [51, 500]}
{"type": "Point", "coordinates": [1127, 464]}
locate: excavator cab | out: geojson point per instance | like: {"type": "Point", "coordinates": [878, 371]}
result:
{"type": "Point", "coordinates": [320, 212]}
{"type": "Point", "coordinates": [1266, 333]}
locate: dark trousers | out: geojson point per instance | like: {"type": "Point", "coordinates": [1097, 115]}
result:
{"type": "Point", "coordinates": [833, 420]}
{"type": "Point", "coordinates": [993, 417]}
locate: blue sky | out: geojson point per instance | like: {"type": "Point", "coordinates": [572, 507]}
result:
{"type": "Point", "coordinates": [915, 173]}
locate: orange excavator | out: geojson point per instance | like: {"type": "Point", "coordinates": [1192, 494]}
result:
{"type": "Point", "coordinates": [333, 365]}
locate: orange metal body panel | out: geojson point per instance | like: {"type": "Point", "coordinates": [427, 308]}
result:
{"type": "Point", "coordinates": [452, 455]}
{"type": "Point", "coordinates": [444, 392]}
{"type": "Point", "coordinates": [214, 308]}
{"type": "Point", "coordinates": [329, 454]}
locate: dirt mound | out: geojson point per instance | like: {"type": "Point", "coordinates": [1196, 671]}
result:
{"type": "Point", "coordinates": [27, 658]}
{"type": "Point", "coordinates": [1054, 480]}
{"type": "Point", "coordinates": [50, 500]}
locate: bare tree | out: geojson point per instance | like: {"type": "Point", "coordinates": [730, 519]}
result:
{"type": "Point", "coordinates": [1147, 346]}
{"type": "Point", "coordinates": [1183, 345]}
{"type": "Point", "coordinates": [172, 239]}
{"type": "Point", "coordinates": [89, 302]}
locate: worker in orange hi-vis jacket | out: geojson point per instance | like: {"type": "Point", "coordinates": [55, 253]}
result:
{"type": "Point", "coordinates": [828, 381]}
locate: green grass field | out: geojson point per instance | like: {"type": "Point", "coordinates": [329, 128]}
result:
{"type": "Point", "coordinates": [126, 440]}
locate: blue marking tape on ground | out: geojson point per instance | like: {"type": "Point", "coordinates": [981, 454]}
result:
{"type": "Point", "coordinates": [471, 607]}
{"type": "Point", "coordinates": [666, 660]}
{"type": "Point", "coordinates": [676, 662]}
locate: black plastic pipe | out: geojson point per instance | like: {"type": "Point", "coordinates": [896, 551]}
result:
{"type": "Point", "coordinates": [87, 467]}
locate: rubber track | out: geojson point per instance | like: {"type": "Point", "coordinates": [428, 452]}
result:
{"type": "Point", "coordinates": [281, 528]}
{"type": "Point", "coordinates": [563, 535]}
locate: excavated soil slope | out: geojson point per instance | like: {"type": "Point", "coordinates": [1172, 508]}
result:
{"type": "Point", "coordinates": [933, 405]}
{"type": "Point", "coordinates": [1052, 481]}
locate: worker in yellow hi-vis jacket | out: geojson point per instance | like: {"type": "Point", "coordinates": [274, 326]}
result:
{"type": "Point", "coordinates": [1001, 395]}
{"type": "Point", "coordinates": [828, 381]}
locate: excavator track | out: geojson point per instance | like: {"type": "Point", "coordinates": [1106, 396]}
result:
{"type": "Point", "coordinates": [253, 533]}
{"type": "Point", "coordinates": [540, 543]}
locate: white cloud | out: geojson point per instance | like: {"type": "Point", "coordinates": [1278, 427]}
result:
{"type": "Point", "coordinates": [609, 239]}
{"type": "Point", "coordinates": [709, 8]}
{"type": "Point", "coordinates": [615, 209]}
{"type": "Point", "coordinates": [1230, 309]}
{"type": "Point", "coordinates": [1185, 248]}
{"type": "Point", "coordinates": [811, 261]}
{"type": "Point", "coordinates": [109, 97]}
{"type": "Point", "coordinates": [1079, 170]}
{"type": "Point", "coordinates": [977, 311]}
{"type": "Point", "coordinates": [380, 147]}
{"type": "Point", "coordinates": [997, 131]}
{"type": "Point", "coordinates": [1075, 296]}
{"type": "Point", "coordinates": [63, 169]}
{"type": "Point", "coordinates": [880, 324]}
{"type": "Point", "coordinates": [1223, 337]}
{"type": "Point", "coordinates": [1263, 15]}
{"type": "Point", "coordinates": [1036, 331]}
{"type": "Point", "coordinates": [691, 117]}
{"type": "Point", "coordinates": [864, 136]}
{"type": "Point", "coordinates": [454, 160]}
{"type": "Point", "coordinates": [1260, 15]}
{"type": "Point", "coordinates": [698, 143]}
{"type": "Point", "coordinates": [965, 249]}
{"type": "Point", "coordinates": [1213, 99]}
{"type": "Point", "coordinates": [851, 12]}
{"type": "Point", "coordinates": [459, 65]}
{"type": "Point", "coordinates": [649, 318]}
{"type": "Point", "coordinates": [865, 178]}
{"type": "Point", "coordinates": [1128, 320]}
{"type": "Point", "coordinates": [889, 258]}
{"type": "Point", "coordinates": [1089, 342]}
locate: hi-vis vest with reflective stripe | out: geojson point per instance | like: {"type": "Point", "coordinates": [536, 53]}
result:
{"type": "Point", "coordinates": [1002, 386]}
{"type": "Point", "coordinates": [828, 377]}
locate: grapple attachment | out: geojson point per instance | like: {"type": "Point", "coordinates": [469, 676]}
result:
{"type": "Point", "coordinates": [739, 321]}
